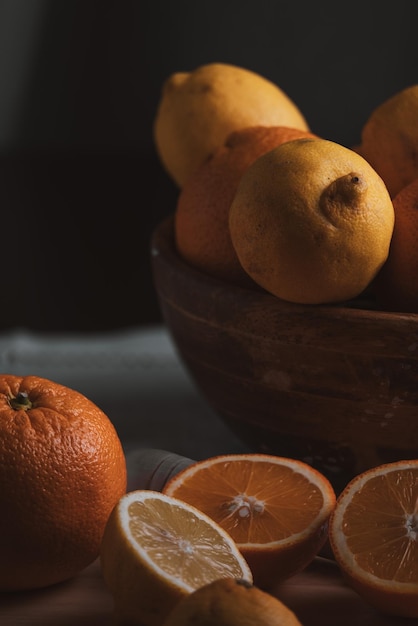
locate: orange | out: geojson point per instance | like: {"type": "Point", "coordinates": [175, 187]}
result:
{"type": "Point", "coordinates": [157, 550]}
{"type": "Point", "coordinates": [311, 222]}
{"type": "Point", "coordinates": [62, 469]}
{"type": "Point", "coordinates": [198, 109]}
{"type": "Point", "coordinates": [201, 217]}
{"type": "Point", "coordinates": [231, 602]}
{"type": "Point", "coordinates": [389, 139]}
{"type": "Point", "coordinates": [373, 534]}
{"type": "Point", "coordinates": [276, 509]}
{"type": "Point", "coordinates": [396, 286]}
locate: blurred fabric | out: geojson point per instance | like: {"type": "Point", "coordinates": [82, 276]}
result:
{"type": "Point", "coordinates": [81, 186]}
{"type": "Point", "coordinates": [136, 377]}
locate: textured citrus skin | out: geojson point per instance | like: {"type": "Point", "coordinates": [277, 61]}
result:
{"type": "Point", "coordinates": [201, 217]}
{"type": "Point", "coordinates": [396, 286]}
{"type": "Point", "coordinates": [389, 139]}
{"type": "Point", "coordinates": [311, 222]}
{"type": "Point", "coordinates": [62, 470]}
{"type": "Point", "coordinates": [231, 602]}
{"type": "Point", "coordinates": [198, 110]}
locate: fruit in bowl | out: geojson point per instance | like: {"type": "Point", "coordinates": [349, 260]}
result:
{"type": "Point", "coordinates": [334, 386]}
{"type": "Point", "coordinates": [295, 351]}
{"type": "Point", "coordinates": [199, 109]}
{"type": "Point", "coordinates": [311, 222]}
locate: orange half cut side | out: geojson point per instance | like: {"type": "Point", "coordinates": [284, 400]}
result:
{"type": "Point", "coordinates": [276, 509]}
{"type": "Point", "coordinates": [374, 536]}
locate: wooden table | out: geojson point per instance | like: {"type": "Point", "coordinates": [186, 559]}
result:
{"type": "Point", "coordinates": [83, 600]}
{"type": "Point", "coordinates": [318, 596]}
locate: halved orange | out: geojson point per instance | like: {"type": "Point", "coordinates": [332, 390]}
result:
{"type": "Point", "coordinates": [276, 509]}
{"type": "Point", "coordinates": [157, 549]}
{"type": "Point", "coordinates": [374, 536]}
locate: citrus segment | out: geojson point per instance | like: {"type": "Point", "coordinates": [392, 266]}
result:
{"type": "Point", "coordinates": [157, 549]}
{"type": "Point", "coordinates": [374, 536]}
{"type": "Point", "coordinates": [276, 509]}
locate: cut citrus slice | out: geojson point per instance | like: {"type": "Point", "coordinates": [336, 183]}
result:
{"type": "Point", "coordinates": [276, 509]}
{"type": "Point", "coordinates": [374, 536]}
{"type": "Point", "coordinates": [157, 549]}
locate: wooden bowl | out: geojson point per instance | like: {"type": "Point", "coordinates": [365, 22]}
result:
{"type": "Point", "coordinates": [334, 386]}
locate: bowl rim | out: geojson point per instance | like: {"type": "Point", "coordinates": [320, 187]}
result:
{"type": "Point", "coordinates": [163, 246]}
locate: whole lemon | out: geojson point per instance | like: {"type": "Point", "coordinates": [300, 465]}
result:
{"type": "Point", "coordinates": [198, 109]}
{"type": "Point", "coordinates": [201, 216]}
{"type": "Point", "coordinates": [311, 222]}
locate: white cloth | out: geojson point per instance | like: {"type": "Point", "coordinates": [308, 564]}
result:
{"type": "Point", "coordinates": [135, 377]}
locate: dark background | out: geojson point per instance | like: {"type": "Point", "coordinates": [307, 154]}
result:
{"type": "Point", "coordinates": [81, 187]}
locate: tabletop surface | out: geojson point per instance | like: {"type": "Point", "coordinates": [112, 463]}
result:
{"type": "Point", "coordinates": [137, 378]}
{"type": "Point", "coordinates": [318, 596]}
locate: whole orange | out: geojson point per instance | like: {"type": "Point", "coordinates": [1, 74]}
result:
{"type": "Point", "coordinates": [62, 470]}
{"type": "Point", "coordinates": [396, 286]}
{"type": "Point", "coordinates": [389, 139]}
{"type": "Point", "coordinates": [201, 216]}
